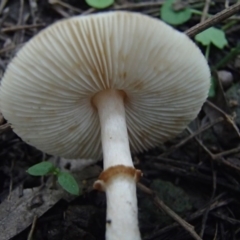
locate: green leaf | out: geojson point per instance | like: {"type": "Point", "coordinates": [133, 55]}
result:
{"type": "Point", "coordinates": [212, 35]}
{"type": "Point", "coordinates": [41, 169]}
{"type": "Point", "coordinates": [212, 90]}
{"type": "Point", "coordinates": [99, 4]}
{"type": "Point", "coordinates": [68, 182]}
{"type": "Point", "coordinates": [172, 17]}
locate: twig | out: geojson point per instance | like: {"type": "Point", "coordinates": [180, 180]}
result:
{"type": "Point", "coordinates": [194, 134]}
{"type": "Point", "coordinates": [195, 215]}
{"type": "Point", "coordinates": [226, 218]}
{"type": "Point", "coordinates": [2, 5]}
{"type": "Point", "coordinates": [175, 162]}
{"type": "Point", "coordinates": [89, 11]}
{"type": "Point", "coordinates": [171, 213]}
{"type": "Point", "coordinates": [227, 116]}
{"type": "Point", "coordinates": [33, 10]}
{"type": "Point", "coordinates": [219, 156]}
{"type": "Point", "coordinates": [21, 27]}
{"type": "Point", "coordinates": [21, 9]}
{"type": "Point", "coordinates": [128, 6]}
{"type": "Point", "coordinates": [228, 152]}
{"type": "Point", "coordinates": [151, 11]}
{"type": "Point", "coordinates": [205, 10]}
{"type": "Point", "coordinates": [227, 163]}
{"type": "Point", "coordinates": [11, 47]}
{"type": "Point", "coordinates": [200, 143]}
{"type": "Point", "coordinates": [205, 216]}
{"type": "Point", "coordinates": [4, 127]}
{"type": "Point", "coordinates": [138, 5]}
{"type": "Point", "coordinates": [18, 36]}
{"type": "Point", "coordinates": [59, 10]}
{"type": "Point", "coordinates": [66, 5]}
{"type": "Point", "coordinates": [11, 179]}
{"type": "Point", "coordinates": [30, 235]}
{"type": "Point", "coordinates": [219, 17]}
{"type": "Point", "coordinates": [226, 3]}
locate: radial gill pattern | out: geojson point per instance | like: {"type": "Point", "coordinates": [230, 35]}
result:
{"type": "Point", "coordinates": [47, 89]}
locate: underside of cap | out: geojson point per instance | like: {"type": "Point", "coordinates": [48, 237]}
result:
{"type": "Point", "coordinates": [47, 89]}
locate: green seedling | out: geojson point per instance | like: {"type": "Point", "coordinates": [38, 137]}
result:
{"type": "Point", "coordinates": [177, 12]}
{"type": "Point", "coordinates": [213, 36]}
{"type": "Point", "coordinates": [99, 4]}
{"type": "Point", "coordinates": [174, 15]}
{"type": "Point", "coordinates": [208, 37]}
{"type": "Point", "coordinates": [66, 180]}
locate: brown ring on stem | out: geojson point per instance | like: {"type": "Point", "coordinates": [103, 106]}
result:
{"type": "Point", "coordinates": [111, 172]}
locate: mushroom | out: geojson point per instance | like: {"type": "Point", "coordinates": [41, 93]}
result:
{"type": "Point", "coordinates": [105, 85]}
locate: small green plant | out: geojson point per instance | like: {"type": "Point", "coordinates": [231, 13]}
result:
{"type": "Point", "coordinates": [177, 12]}
{"type": "Point", "coordinates": [208, 37]}
{"type": "Point", "coordinates": [174, 15]}
{"type": "Point", "coordinates": [213, 36]}
{"type": "Point", "coordinates": [66, 180]}
{"type": "Point", "coordinates": [99, 4]}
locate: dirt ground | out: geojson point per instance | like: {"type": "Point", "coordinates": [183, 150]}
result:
{"type": "Point", "coordinates": [197, 174]}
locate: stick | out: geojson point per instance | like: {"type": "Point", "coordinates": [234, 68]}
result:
{"type": "Point", "coordinates": [219, 17]}
{"type": "Point", "coordinates": [170, 212]}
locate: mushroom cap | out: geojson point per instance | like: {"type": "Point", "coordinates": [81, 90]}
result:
{"type": "Point", "coordinates": [47, 89]}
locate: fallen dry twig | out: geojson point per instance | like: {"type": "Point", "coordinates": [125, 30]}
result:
{"type": "Point", "coordinates": [170, 212]}
{"type": "Point", "coordinates": [219, 17]}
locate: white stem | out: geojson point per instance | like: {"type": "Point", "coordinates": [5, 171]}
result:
{"type": "Point", "coordinates": [115, 143]}
{"type": "Point", "coordinates": [122, 210]}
